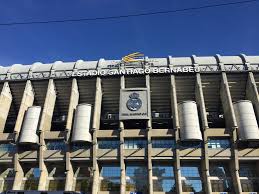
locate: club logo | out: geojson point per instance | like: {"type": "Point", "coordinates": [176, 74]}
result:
{"type": "Point", "coordinates": [134, 103]}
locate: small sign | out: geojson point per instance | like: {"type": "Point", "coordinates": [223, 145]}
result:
{"type": "Point", "coordinates": [134, 104]}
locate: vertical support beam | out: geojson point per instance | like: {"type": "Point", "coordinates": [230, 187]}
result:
{"type": "Point", "coordinates": [252, 92]}
{"type": "Point", "coordinates": [175, 118]}
{"type": "Point", "coordinates": [27, 101]}
{"type": "Point", "coordinates": [74, 98]}
{"type": "Point", "coordinates": [122, 162]}
{"type": "Point", "coordinates": [5, 104]}
{"type": "Point", "coordinates": [49, 106]}
{"type": "Point", "coordinates": [202, 110]}
{"type": "Point", "coordinates": [18, 174]}
{"type": "Point", "coordinates": [149, 148]}
{"type": "Point", "coordinates": [95, 127]}
{"type": "Point", "coordinates": [232, 124]}
{"type": "Point", "coordinates": [45, 125]}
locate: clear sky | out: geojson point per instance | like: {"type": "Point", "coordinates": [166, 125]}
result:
{"type": "Point", "coordinates": [227, 30]}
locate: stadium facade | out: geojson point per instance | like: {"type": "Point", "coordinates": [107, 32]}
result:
{"type": "Point", "coordinates": [110, 126]}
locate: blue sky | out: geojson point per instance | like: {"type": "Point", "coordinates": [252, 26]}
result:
{"type": "Point", "coordinates": [227, 30]}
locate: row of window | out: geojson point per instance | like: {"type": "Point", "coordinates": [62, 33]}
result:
{"type": "Point", "coordinates": [137, 178]}
{"type": "Point", "coordinates": [128, 144]}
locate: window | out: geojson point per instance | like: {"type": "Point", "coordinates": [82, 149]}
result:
{"type": "Point", "coordinates": [7, 175]}
{"type": "Point", "coordinates": [163, 178]}
{"type": "Point", "coordinates": [191, 144]}
{"type": "Point", "coordinates": [56, 145]}
{"type": "Point", "coordinates": [247, 170]}
{"type": "Point", "coordinates": [191, 178]}
{"type": "Point", "coordinates": [220, 177]}
{"type": "Point", "coordinates": [163, 143]}
{"type": "Point", "coordinates": [56, 176]}
{"type": "Point", "coordinates": [110, 178]}
{"type": "Point", "coordinates": [83, 177]}
{"type": "Point", "coordinates": [80, 145]}
{"type": "Point", "coordinates": [31, 179]}
{"type": "Point", "coordinates": [7, 148]}
{"type": "Point", "coordinates": [135, 143]}
{"type": "Point", "coordinates": [250, 185]}
{"type": "Point", "coordinates": [248, 177]}
{"type": "Point", "coordinates": [108, 144]}
{"type": "Point", "coordinates": [136, 179]}
{"type": "Point", "coordinates": [218, 143]}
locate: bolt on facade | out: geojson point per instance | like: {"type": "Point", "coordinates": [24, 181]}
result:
{"type": "Point", "coordinates": [149, 133]}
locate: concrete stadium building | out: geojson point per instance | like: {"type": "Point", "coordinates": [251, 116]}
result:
{"type": "Point", "coordinates": [75, 126]}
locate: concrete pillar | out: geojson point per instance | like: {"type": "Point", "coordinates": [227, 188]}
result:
{"type": "Point", "coordinates": [175, 118]}
{"type": "Point", "coordinates": [74, 98]}
{"type": "Point", "coordinates": [48, 109]}
{"type": "Point", "coordinates": [122, 162]}
{"type": "Point", "coordinates": [45, 125]}
{"type": "Point", "coordinates": [18, 174]}
{"type": "Point", "coordinates": [232, 124]}
{"type": "Point", "coordinates": [252, 93]}
{"type": "Point", "coordinates": [149, 147]}
{"type": "Point", "coordinates": [27, 101]}
{"type": "Point", "coordinates": [95, 127]}
{"type": "Point", "coordinates": [202, 110]}
{"type": "Point", "coordinates": [5, 104]}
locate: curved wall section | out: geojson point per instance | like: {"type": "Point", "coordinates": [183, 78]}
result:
{"type": "Point", "coordinates": [82, 123]}
{"type": "Point", "coordinates": [30, 125]}
{"type": "Point", "coordinates": [189, 121]}
{"type": "Point", "coordinates": [246, 120]}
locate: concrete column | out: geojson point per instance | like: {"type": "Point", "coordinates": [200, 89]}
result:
{"type": "Point", "coordinates": [18, 174]}
{"type": "Point", "coordinates": [5, 104]}
{"type": "Point", "coordinates": [202, 110]}
{"type": "Point", "coordinates": [95, 127]}
{"type": "Point", "coordinates": [48, 108]}
{"type": "Point", "coordinates": [74, 98]}
{"type": "Point", "coordinates": [45, 125]}
{"type": "Point", "coordinates": [149, 147]}
{"type": "Point", "coordinates": [122, 162]}
{"type": "Point", "coordinates": [175, 118]}
{"type": "Point", "coordinates": [252, 93]}
{"type": "Point", "coordinates": [232, 124]}
{"type": "Point", "coordinates": [27, 101]}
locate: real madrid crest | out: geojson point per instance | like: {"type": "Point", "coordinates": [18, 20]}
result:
{"type": "Point", "coordinates": [134, 103]}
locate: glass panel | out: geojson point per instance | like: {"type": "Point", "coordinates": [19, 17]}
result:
{"type": "Point", "coordinates": [136, 179]}
{"type": "Point", "coordinates": [108, 144]}
{"type": "Point", "coordinates": [187, 144]}
{"type": "Point", "coordinates": [135, 143]}
{"type": "Point", "coordinates": [79, 145]}
{"type": "Point", "coordinates": [110, 178]}
{"type": "Point", "coordinates": [31, 184]}
{"type": "Point", "coordinates": [247, 170]}
{"type": "Point", "coordinates": [190, 171]}
{"type": "Point", "coordinates": [221, 185]}
{"type": "Point", "coordinates": [57, 185]}
{"type": "Point", "coordinates": [192, 186]}
{"type": "Point", "coordinates": [110, 184]}
{"type": "Point", "coordinates": [163, 143]}
{"type": "Point", "coordinates": [218, 143]}
{"type": "Point", "coordinates": [163, 171]}
{"type": "Point", "coordinates": [249, 185]}
{"type": "Point", "coordinates": [110, 171]}
{"type": "Point", "coordinates": [219, 170]}
{"type": "Point", "coordinates": [56, 145]}
{"type": "Point", "coordinates": [7, 148]}
{"type": "Point", "coordinates": [164, 185]}
{"type": "Point", "coordinates": [84, 185]}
